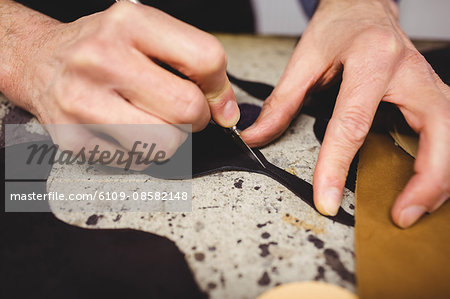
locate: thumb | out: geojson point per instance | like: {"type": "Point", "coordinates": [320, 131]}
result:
{"type": "Point", "coordinates": [223, 105]}
{"type": "Point", "coordinates": [211, 77]}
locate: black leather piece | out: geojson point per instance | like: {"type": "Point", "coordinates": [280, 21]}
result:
{"type": "Point", "coordinates": [226, 155]}
{"type": "Point", "coordinates": [320, 106]}
{"type": "Point", "coordinates": [249, 115]}
{"type": "Point", "coordinates": [46, 258]}
{"type": "Point", "coordinates": [43, 257]}
{"type": "Point", "coordinates": [214, 150]}
{"type": "Point", "coordinates": [256, 89]}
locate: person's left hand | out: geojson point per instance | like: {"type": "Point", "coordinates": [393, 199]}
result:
{"type": "Point", "coordinates": [379, 63]}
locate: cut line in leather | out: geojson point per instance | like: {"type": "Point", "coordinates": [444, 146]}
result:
{"type": "Point", "coordinates": [213, 150]}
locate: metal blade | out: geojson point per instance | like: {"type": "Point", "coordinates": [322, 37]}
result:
{"type": "Point", "coordinates": [237, 137]}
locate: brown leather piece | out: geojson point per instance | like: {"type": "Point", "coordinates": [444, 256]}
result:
{"type": "Point", "coordinates": [392, 262]}
{"type": "Point", "coordinates": [404, 136]}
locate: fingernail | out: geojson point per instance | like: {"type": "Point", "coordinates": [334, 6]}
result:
{"type": "Point", "coordinates": [231, 112]}
{"type": "Point", "coordinates": [410, 215]}
{"type": "Point", "coordinates": [330, 202]}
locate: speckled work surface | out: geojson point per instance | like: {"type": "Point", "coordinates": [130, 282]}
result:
{"type": "Point", "coordinates": [246, 233]}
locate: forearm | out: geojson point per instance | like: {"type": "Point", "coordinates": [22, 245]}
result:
{"type": "Point", "coordinates": [22, 31]}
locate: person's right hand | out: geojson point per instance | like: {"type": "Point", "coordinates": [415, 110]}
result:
{"type": "Point", "coordinates": [105, 69]}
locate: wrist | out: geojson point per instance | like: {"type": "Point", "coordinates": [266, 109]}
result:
{"type": "Point", "coordinates": [22, 33]}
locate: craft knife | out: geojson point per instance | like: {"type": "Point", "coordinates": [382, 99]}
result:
{"type": "Point", "coordinates": [233, 130]}
{"type": "Point", "coordinates": [238, 139]}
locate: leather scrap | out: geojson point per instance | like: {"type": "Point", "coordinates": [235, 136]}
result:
{"type": "Point", "coordinates": [213, 150]}
{"type": "Point", "coordinates": [392, 262]}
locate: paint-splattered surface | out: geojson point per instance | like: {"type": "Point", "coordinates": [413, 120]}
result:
{"type": "Point", "coordinates": [247, 233]}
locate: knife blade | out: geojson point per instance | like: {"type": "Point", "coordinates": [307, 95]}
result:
{"type": "Point", "coordinates": [233, 130]}
{"type": "Point", "coordinates": [238, 139]}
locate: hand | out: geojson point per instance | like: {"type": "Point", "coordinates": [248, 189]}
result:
{"type": "Point", "coordinates": [105, 69]}
{"type": "Point", "coordinates": [378, 63]}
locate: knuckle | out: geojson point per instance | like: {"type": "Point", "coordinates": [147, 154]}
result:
{"type": "Point", "coordinates": [72, 105]}
{"type": "Point", "coordinates": [388, 41]}
{"type": "Point", "coordinates": [213, 58]}
{"type": "Point", "coordinates": [120, 13]}
{"type": "Point", "coordinates": [65, 105]}
{"type": "Point", "coordinates": [202, 122]}
{"type": "Point", "coordinates": [68, 143]}
{"type": "Point", "coordinates": [86, 54]}
{"type": "Point", "coordinates": [285, 109]}
{"type": "Point", "coordinates": [192, 103]}
{"type": "Point", "coordinates": [169, 142]}
{"type": "Point", "coordinates": [414, 58]}
{"type": "Point", "coordinates": [175, 142]}
{"type": "Point", "coordinates": [69, 96]}
{"type": "Point", "coordinates": [75, 103]}
{"type": "Point", "coordinates": [383, 44]}
{"type": "Point", "coordinates": [68, 139]}
{"type": "Point", "coordinates": [417, 68]}
{"type": "Point", "coordinates": [64, 98]}
{"type": "Point", "coordinates": [354, 124]}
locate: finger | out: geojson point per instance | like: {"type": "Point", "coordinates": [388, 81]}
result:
{"type": "Point", "coordinates": [429, 188]}
{"type": "Point", "coordinates": [143, 132]}
{"type": "Point", "coordinates": [76, 139]}
{"type": "Point", "coordinates": [162, 93]}
{"type": "Point", "coordinates": [195, 53]}
{"type": "Point", "coordinates": [303, 70]}
{"type": "Point", "coordinates": [223, 105]}
{"type": "Point", "coordinates": [123, 146]}
{"type": "Point", "coordinates": [151, 140]}
{"type": "Point", "coordinates": [89, 103]}
{"type": "Point", "coordinates": [109, 110]}
{"type": "Point", "coordinates": [362, 88]}
{"type": "Point", "coordinates": [107, 153]}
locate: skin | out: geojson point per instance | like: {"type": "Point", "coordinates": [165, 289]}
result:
{"type": "Point", "coordinates": [105, 69]}
{"type": "Point", "coordinates": [363, 41]}
{"type": "Point", "coordinates": [56, 70]}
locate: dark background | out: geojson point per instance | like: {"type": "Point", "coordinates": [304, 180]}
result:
{"type": "Point", "coordinates": [218, 16]}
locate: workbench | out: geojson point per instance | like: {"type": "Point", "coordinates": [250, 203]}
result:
{"type": "Point", "coordinates": [246, 232]}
